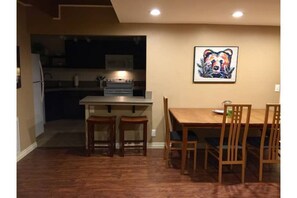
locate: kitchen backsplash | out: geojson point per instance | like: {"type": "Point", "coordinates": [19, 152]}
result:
{"type": "Point", "coordinates": [61, 74]}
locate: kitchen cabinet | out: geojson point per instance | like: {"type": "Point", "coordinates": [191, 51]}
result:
{"type": "Point", "coordinates": [84, 54]}
{"type": "Point", "coordinates": [53, 105]}
{"type": "Point", "coordinates": [81, 51]}
{"type": "Point", "coordinates": [71, 107]}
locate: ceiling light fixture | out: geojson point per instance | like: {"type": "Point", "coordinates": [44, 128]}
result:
{"type": "Point", "coordinates": [237, 14]}
{"type": "Point", "coordinates": [155, 12]}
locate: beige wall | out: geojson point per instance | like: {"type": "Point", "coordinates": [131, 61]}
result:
{"type": "Point", "coordinates": [25, 109]}
{"type": "Point", "coordinates": [170, 50]}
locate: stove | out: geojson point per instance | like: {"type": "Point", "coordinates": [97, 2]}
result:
{"type": "Point", "coordinates": [119, 87]}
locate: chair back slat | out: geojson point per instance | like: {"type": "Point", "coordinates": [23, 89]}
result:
{"type": "Point", "coordinates": [236, 136]}
{"type": "Point", "coordinates": [273, 134]}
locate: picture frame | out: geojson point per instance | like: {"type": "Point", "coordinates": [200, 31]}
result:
{"type": "Point", "coordinates": [215, 64]}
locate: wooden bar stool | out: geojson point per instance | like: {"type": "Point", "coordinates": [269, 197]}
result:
{"type": "Point", "coordinates": [128, 120]}
{"type": "Point", "coordinates": [110, 121]}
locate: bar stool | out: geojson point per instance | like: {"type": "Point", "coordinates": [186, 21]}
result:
{"type": "Point", "coordinates": [135, 120]}
{"type": "Point", "coordinates": [110, 121]}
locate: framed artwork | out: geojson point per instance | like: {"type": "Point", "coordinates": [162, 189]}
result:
{"type": "Point", "coordinates": [215, 64]}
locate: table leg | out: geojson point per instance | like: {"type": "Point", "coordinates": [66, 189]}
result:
{"type": "Point", "coordinates": [184, 149]}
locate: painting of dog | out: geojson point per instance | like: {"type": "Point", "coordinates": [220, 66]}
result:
{"type": "Point", "coordinates": [215, 64]}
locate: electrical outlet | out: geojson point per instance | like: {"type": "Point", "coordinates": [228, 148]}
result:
{"type": "Point", "coordinates": [92, 109]}
{"type": "Point", "coordinates": [154, 132]}
{"type": "Point", "coordinates": [276, 87]}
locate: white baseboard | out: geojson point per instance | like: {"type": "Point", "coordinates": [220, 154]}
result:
{"type": "Point", "coordinates": [26, 151]}
{"type": "Point", "coordinates": [155, 145]}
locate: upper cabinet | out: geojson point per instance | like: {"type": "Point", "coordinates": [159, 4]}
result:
{"type": "Point", "coordinates": [101, 52]}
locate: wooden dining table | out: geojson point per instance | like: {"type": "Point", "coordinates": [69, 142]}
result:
{"type": "Point", "coordinates": [206, 117]}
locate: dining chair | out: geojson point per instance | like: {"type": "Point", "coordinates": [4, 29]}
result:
{"type": "Point", "coordinates": [230, 147]}
{"type": "Point", "coordinates": [267, 146]}
{"type": "Point", "coordinates": [174, 139]}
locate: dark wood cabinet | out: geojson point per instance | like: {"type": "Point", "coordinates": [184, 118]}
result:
{"type": "Point", "coordinates": [53, 105]}
{"type": "Point", "coordinates": [82, 53]}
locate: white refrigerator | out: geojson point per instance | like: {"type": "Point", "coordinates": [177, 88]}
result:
{"type": "Point", "coordinates": [38, 94]}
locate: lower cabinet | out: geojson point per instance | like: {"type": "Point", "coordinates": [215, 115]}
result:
{"type": "Point", "coordinates": [53, 102]}
{"type": "Point", "coordinates": [65, 104]}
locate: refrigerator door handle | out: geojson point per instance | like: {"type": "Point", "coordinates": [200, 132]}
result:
{"type": "Point", "coordinates": [42, 81]}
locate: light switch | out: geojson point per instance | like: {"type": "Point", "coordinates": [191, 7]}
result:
{"type": "Point", "coordinates": [276, 87]}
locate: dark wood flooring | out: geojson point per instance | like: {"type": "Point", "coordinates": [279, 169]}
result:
{"type": "Point", "coordinates": [67, 172]}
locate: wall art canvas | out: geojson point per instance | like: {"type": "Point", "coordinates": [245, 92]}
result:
{"type": "Point", "coordinates": [215, 63]}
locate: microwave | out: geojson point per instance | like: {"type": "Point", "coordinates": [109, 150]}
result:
{"type": "Point", "coordinates": [118, 62]}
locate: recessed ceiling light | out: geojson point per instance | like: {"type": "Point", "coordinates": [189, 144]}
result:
{"type": "Point", "coordinates": [237, 14]}
{"type": "Point", "coordinates": [155, 12]}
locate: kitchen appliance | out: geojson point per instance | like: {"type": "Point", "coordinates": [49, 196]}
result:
{"type": "Point", "coordinates": [119, 87]}
{"type": "Point", "coordinates": [38, 94]}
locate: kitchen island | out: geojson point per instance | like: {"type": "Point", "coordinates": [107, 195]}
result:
{"type": "Point", "coordinates": [118, 106]}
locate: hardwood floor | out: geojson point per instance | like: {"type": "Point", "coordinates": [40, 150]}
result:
{"type": "Point", "coordinates": [67, 172]}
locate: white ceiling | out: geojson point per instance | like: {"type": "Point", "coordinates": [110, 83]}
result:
{"type": "Point", "coordinates": [256, 12]}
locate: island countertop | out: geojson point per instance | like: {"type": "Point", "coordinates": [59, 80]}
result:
{"type": "Point", "coordinates": [116, 100]}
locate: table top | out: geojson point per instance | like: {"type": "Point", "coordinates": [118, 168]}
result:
{"type": "Point", "coordinates": [205, 117]}
{"type": "Point", "coordinates": [116, 100]}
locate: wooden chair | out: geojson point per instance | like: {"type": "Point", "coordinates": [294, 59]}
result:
{"type": "Point", "coordinates": [230, 147]}
{"type": "Point", "coordinates": [110, 121]}
{"type": "Point", "coordinates": [124, 143]}
{"type": "Point", "coordinates": [267, 147]}
{"type": "Point", "coordinates": [174, 138]}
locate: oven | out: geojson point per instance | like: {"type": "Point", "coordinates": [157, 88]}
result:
{"type": "Point", "coordinates": [119, 87]}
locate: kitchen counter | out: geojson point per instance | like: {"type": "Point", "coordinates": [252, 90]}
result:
{"type": "Point", "coordinates": [117, 106]}
{"type": "Point", "coordinates": [116, 100]}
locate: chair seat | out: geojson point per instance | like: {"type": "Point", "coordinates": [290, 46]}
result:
{"type": "Point", "coordinates": [178, 136]}
{"type": "Point", "coordinates": [256, 141]}
{"type": "Point", "coordinates": [214, 141]}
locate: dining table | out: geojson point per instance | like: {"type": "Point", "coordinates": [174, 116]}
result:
{"type": "Point", "coordinates": [209, 118]}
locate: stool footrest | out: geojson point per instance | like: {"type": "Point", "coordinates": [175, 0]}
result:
{"type": "Point", "coordinates": [133, 141]}
{"type": "Point", "coordinates": [134, 146]}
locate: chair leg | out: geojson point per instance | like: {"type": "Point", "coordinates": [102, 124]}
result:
{"type": "Point", "coordinates": [144, 138]}
{"type": "Point", "coordinates": [206, 156]}
{"type": "Point", "coordinates": [121, 141]}
{"type": "Point", "coordinates": [114, 137]}
{"type": "Point", "coordinates": [195, 156]}
{"type": "Point", "coordinates": [89, 139]}
{"type": "Point", "coordinates": [220, 172]}
{"type": "Point", "coordinates": [165, 152]}
{"type": "Point", "coordinates": [242, 173]}
{"type": "Point", "coordinates": [260, 170]}
{"type": "Point", "coordinates": [111, 140]}
{"type": "Point", "coordinates": [261, 164]}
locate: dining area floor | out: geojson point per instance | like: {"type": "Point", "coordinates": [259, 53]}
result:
{"type": "Point", "coordinates": [67, 172]}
